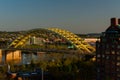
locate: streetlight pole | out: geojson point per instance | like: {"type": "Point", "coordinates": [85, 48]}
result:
{"type": "Point", "coordinates": [42, 74]}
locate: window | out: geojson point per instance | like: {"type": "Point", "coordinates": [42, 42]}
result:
{"type": "Point", "coordinates": [118, 63]}
{"type": "Point", "coordinates": [103, 55]}
{"type": "Point", "coordinates": [118, 52]}
{"type": "Point", "coordinates": [113, 52]}
{"type": "Point", "coordinates": [107, 52]}
{"type": "Point", "coordinates": [118, 75]}
{"type": "Point", "coordinates": [98, 70]}
{"type": "Point", "coordinates": [118, 46]}
{"type": "Point", "coordinates": [113, 46]}
{"type": "Point", "coordinates": [118, 69]}
{"type": "Point", "coordinates": [107, 57]}
{"type": "Point", "coordinates": [98, 55]}
{"type": "Point", "coordinates": [118, 58]}
{"type": "Point", "coordinates": [107, 46]}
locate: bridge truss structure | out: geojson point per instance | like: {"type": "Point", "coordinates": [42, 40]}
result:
{"type": "Point", "coordinates": [78, 42]}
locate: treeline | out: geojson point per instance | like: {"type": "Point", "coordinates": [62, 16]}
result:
{"type": "Point", "coordinates": [71, 68]}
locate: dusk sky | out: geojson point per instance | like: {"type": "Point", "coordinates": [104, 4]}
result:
{"type": "Point", "coordinates": [77, 16]}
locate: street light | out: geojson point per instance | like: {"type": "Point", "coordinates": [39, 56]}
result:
{"type": "Point", "coordinates": [42, 74]}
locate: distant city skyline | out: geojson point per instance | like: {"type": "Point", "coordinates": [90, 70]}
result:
{"type": "Point", "coordinates": [77, 16]}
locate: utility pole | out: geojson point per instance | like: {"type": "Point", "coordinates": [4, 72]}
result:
{"type": "Point", "coordinates": [42, 74]}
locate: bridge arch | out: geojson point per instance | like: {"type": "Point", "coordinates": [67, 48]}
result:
{"type": "Point", "coordinates": [78, 42]}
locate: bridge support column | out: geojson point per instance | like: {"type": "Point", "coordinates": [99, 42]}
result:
{"type": "Point", "coordinates": [4, 54]}
{"type": "Point", "coordinates": [26, 57]}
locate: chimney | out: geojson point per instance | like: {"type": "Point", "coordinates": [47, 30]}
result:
{"type": "Point", "coordinates": [114, 21]}
{"type": "Point", "coordinates": [119, 21]}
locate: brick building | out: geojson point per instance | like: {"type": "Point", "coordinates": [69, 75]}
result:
{"type": "Point", "coordinates": [108, 52]}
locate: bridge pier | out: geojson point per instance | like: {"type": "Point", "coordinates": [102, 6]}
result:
{"type": "Point", "coordinates": [27, 56]}
{"type": "Point", "coordinates": [3, 54]}
{"type": "Point", "coordinates": [16, 56]}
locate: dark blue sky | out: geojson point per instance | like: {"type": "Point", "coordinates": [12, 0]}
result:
{"type": "Point", "coordinates": [78, 16]}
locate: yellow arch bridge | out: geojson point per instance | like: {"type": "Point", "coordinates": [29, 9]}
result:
{"type": "Point", "coordinates": [78, 42]}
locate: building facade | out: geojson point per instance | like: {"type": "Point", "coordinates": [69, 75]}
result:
{"type": "Point", "coordinates": [108, 52]}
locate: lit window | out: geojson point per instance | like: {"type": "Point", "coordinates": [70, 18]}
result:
{"type": "Point", "coordinates": [118, 63]}
{"type": "Point", "coordinates": [113, 46]}
{"type": "Point", "coordinates": [118, 46]}
{"type": "Point", "coordinates": [107, 57]}
{"type": "Point", "coordinates": [98, 55]}
{"type": "Point", "coordinates": [117, 69]}
{"type": "Point", "coordinates": [118, 76]}
{"type": "Point", "coordinates": [118, 58]}
{"type": "Point", "coordinates": [98, 70]}
{"type": "Point", "coordinates": [107, 46]}
{"type": "Point", "coordinates": [118, 52]}
{"type": "Point", "coordinates": [113, 52]}
{"type": "Point", "coordinates": [103, 56]}
{"type": "Point", "coordinates": [107, 52]}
